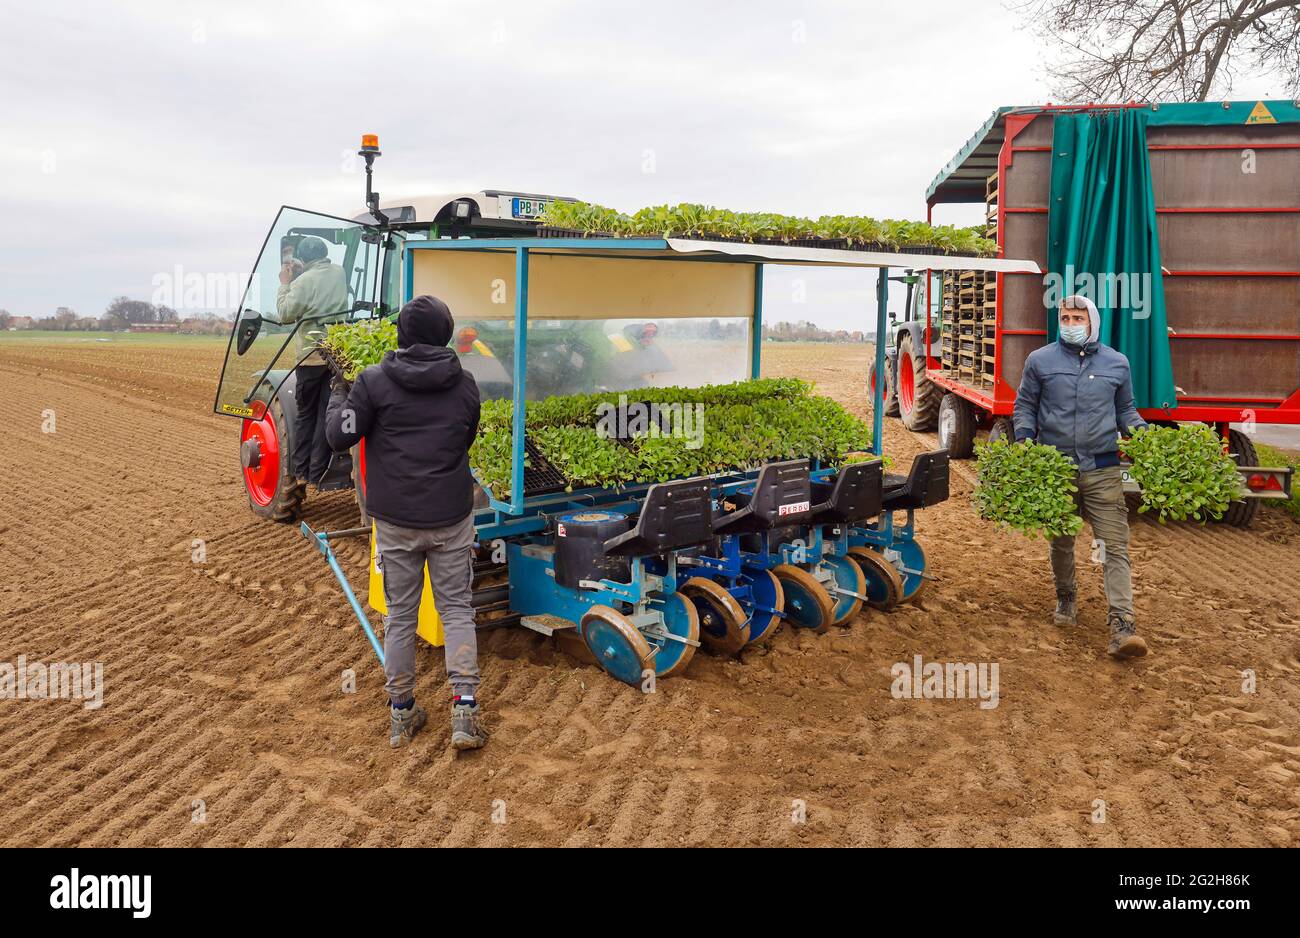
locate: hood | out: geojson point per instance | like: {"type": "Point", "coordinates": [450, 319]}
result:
{"type": "Point", "coordinates": [423, 368]}
{"type": "Point", "coordinates": [1094, 317]}
{"type": "Point", "coordinates": [425, 320]}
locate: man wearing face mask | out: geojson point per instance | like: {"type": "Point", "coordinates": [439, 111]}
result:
{"type": "Point", "coordinates": [1076, 395]}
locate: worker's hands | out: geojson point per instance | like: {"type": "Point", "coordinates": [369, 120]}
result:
{"type": "Point", "coordinates": [289, 270]}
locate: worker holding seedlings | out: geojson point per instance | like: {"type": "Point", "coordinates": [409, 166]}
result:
{"type": "Point", "coordinates": [310, 285]}
{"type": "Point", "coordinates": [418, 412]}
{"type": "Point", "coordinates": [1077, 395]}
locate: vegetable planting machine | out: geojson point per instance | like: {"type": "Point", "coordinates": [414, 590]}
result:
{"type": "Point", "coordinates": [644, 573]}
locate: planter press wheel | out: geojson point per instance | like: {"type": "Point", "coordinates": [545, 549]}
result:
{"type": "Point", "coordinates": [273, 493]}
{"type": "Point", "coordinates": [767, 593]}
{"type": "Point", "coordinates": [914, 559]}
{"type": "Point", "coordinates": [680, 618]}
{"type": "Point", "coordinates": [722, 623]}
{"type": "Point", "coordinates": [848, 576]}
{"type": "Point", "coordinates": [807, 603]}
{"type": "Point", "coordinates": [617, 645]}
{"type": "Point", "coordinates": [884, 583]}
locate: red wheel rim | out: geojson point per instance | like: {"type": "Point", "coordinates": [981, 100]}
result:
{"type": "Point", "coordinates": [906, 383]}
{"type": "Point", "coordinates": [262, 480]}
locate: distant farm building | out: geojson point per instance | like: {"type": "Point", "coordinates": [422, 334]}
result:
{"type": "Point", "coordinates": [155, 327]}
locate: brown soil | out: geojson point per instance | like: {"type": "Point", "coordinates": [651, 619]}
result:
{"type": "Point", "coordinates": [223, 677]}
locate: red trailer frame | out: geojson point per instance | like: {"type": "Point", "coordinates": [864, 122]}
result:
{"type": "Point", "coordinates": [1219, 411]}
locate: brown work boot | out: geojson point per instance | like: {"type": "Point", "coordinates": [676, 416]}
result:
{"type": "Point", "coordinates": [404, 723]}
{"type": "Point", "coordinates": [1124, 640]}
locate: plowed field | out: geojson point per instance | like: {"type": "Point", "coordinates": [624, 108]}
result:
{"type": "Point", "coordinates": [224, 720]}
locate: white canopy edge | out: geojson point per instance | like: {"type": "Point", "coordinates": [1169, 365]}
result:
{"type": "Point", "coordinates": [783, 254]}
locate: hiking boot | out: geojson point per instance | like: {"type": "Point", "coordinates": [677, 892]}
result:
{"type": "Point", "coordinates": [1066, 613]}
{"type": "Point", "coordinates": [405, 724]}
{"type": "Point", "coordinates": [466, 727]}
{"type": "Point", "coordinates": [1124, 640]}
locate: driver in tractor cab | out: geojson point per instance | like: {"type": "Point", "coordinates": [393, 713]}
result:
{"type": "Point", "coordinates": [418, 412]}
{"type": "Point", "coordinates": [1077, 395]}
{"type": "Point", "coordinates": [310, 285]}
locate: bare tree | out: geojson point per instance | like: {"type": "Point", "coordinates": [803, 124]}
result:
{"type": "Point", "coordinates": [1165, 50]}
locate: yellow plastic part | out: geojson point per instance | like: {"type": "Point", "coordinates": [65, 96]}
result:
{"type": "Point", "coordinates": [430, 623]}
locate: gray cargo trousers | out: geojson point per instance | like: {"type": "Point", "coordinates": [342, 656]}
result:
{"type": "Point", "coordinates": [1101, 503]}
{"type": "Point", "coordinates": [403, 554]}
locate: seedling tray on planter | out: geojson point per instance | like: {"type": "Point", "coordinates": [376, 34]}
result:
{"type": "Point", "coordinates": [540, 477]}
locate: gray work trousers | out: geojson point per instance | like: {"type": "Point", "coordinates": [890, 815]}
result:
{"type": "Point", "coordinates": [448, 552]}
{"type": "Point", "coordinates": [1101, 502]}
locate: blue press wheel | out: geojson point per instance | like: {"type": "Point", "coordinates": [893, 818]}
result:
{"type": "Point", "coordinates": [766, 593]}
{"type": "Point", "coordinates": [619, 648]}
{"type": "Point", "coordinates": [723, 628]}
{"type": "Point", "coordinates": [807, 604]}
{"type": "Point", "coordinates": [914, 559]}
{"type": "Point", "coordinates": [848, 576]}
{"type": "Point", "coordinates": [884, 582]}
{"type": "Point", "coordinates": [680, 618]}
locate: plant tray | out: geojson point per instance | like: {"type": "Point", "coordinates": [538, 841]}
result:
{"type": "Point", "coordinates": [540, 477]}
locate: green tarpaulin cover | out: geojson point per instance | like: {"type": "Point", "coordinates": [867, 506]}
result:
{"type": "Point", "coordinates": [1103, 243]}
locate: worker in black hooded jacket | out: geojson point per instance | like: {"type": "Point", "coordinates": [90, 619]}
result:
{"type": "Point", "coordinates": [418, 412]}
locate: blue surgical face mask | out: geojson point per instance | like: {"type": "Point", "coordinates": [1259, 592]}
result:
{"type": "Point", "coordinates": [1075, 335]}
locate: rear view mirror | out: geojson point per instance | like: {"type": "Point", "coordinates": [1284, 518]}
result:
{"type": "Point", "coordinates": [248, 330]}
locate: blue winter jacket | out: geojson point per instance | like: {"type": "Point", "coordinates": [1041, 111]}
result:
{"type": "Point", "coordinates": [1077, 399]}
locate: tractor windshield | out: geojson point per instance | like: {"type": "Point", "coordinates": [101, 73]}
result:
{"type": "Point", "coordinates": [313, 270]}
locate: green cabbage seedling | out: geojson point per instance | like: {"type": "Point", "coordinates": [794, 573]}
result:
{"type": "Point", "coordinates": [1184, 472]}
{"type": "Point", "coordinates": [1027, 486]}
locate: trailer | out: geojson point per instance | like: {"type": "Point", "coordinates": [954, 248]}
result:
{"type": "Point", "coordinates": [1222, 184]}
{"type": "Point", "coordinates": [642, 575]}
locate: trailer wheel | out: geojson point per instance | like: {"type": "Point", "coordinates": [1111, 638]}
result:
{"type": "Point", "coordinates": [956, 426]}
{"type": "Point", "coordinates": [918, 396]}
{"type": "Point", "coordinates": [1241, 514]}
{"type": "Point", "coordinates": [891, 392]}
{"type": "Point", "coordinates": [1003, 429]}
{"type": "Point", "coordinates": [273, 493]}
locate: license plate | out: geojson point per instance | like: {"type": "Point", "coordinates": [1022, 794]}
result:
{"type": "Point", "coordinates": [528, 208]}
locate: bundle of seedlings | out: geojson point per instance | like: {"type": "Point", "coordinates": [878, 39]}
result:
{"type": "Point", "coordinates": [1184, 472]}
{"type": "Point", "coordinates": [350, 347]}
{"type": "Point", "coordinates": [1027, 486]}
{"type": "Point", "coordinates": [690, 220]}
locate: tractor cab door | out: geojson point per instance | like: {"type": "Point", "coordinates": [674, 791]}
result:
{"type": "Point", "coordinates": [314, 270]}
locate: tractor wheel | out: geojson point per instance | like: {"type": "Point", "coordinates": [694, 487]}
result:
{"type": "Point", "coordinates": [273, 493]}
{"type": "Point", "coordinates": [956, 426]}
{"type": "Point", "coordinates": [1241, 514]}
{"type": "Point", "coordinates": [1003, 429]}
{"type": "Point", "coordinates": [359, 482]}
{"type": "Point", "coordinates": [918, 396]}
{"type": "Point", "coordinates": [891, 393]}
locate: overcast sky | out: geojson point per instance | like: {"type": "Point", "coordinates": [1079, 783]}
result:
{"type": "Point", "coordinates": [136, 137]}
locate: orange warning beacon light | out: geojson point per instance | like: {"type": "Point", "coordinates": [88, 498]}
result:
{"type": "Point", "coordinates": [369, 150]}
{"type": "Point", "coordinates": [370, 143]}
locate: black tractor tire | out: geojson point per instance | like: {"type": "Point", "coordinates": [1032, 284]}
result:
{"type": "Point", "coordinates": [1003, 429]}
{"type": "Point", "coordinates": [286, 504]}
{"type": "Point", "coordinates": [923, 414]}
{"type": "Point", "coordinates": [1241, 514]}
{"type": "Point", "coordinates": [891, 393]}
{"type": "Point", "coordinates": [956, 426]}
